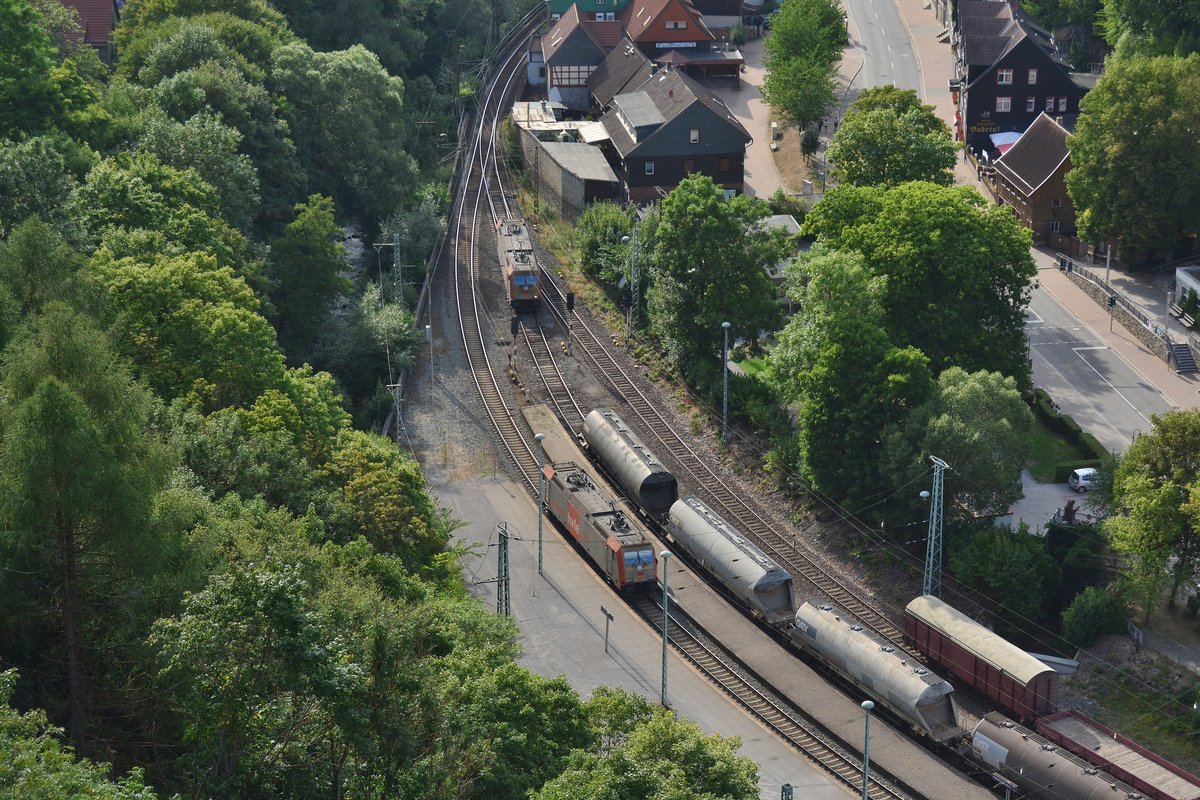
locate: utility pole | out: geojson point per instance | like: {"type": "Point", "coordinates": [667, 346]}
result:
{"type": "Point", "coordinates": [495, 39]}
{"type": "Point", "coordinates": [503, 600]}
{"type": "Point", "coordinates": [635, 288]}
{"type": "Point", "coordinates": [397, 266]}
{"type": "Point", "coordinates": [933, 549]}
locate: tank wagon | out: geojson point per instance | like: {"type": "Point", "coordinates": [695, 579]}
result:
{"type": "Point", "coordinates": [1040, 768]}
{"type": "Point", "coordinates": [838, 640]}
{"type": "Point", "coordinates": [645, 479]}
{"type": "Point", "coordinates": [612, 540]}
{"type": "Point", "coordinates": [737, 563]}
{"type": "Point", "coordinates": [1120, 756]}
{"type": "Point", "coordinates": [522, 278]}
{"type": "Point", "coordinates": [985, 661]}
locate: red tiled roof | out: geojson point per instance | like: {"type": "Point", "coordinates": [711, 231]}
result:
{"type": "Point", "coordinates": [607, 34]}
{"type": "Point", "coordinates": [97, 17]}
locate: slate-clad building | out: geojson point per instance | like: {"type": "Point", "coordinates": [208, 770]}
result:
{"type": "Point", "coordinates": [588, 9]}
{"type": "Point", "coordinates": [668, 128]}
{"type": "Point", "coordinates": [1007, 72]}
{"type": "Point", "coordinates": [623, 69]}
{"type": "Point", "coordinates": [571, 51]}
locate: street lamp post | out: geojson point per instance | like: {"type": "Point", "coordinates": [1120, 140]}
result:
{"type": "Point", "coordinates": [867, 705]}
{"type": "Point", "coordinates": [429, 338]}
{"type": "Point", "coordinates": [725, 386]}
{"type": "Point", "coordinates": [539, 438]}
{"type": "Point", "coordinates": [665, 556]}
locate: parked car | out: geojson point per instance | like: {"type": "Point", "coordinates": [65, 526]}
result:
{"type": "Point", "coordinates": [1082, 479]}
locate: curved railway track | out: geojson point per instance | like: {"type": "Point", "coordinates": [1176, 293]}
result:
{"type": "Point", "coordinates": [479, 202]}
{"type": "Point", "coordinates": [785, 720]}
{"type": "Point", "coordinates": [481, 196]}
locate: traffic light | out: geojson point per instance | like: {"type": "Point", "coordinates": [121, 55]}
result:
{"type": "Point", "coordinates": [1112, 301]}
{"type": "Point", "coordinates": [513, 324]}
{"type": "Point", "coordinates": [570, 301]}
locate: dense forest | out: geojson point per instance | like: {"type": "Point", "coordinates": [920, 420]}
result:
{"type": "Point", "coordinates": [216, 581]}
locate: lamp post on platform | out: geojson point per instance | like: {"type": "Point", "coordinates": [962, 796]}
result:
{"type": "Point", "coordinates": [867, 705]}
{"type": "Point", "coordinates": [665, 555]}
{"type": "Point", "coordinates": [539, 438]}
{"type": "Point", "coordinates": [725, 386]}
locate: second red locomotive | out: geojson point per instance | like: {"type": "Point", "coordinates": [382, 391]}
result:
{"type": "Point", "coordinates": [522, 277]}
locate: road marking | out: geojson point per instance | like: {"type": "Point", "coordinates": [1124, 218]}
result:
{"type": "Point", "coordinates": [1115, 389]}
{"type": "Point", "coordinates": [1036, 318]}
{"type": "Point", "coordinates": [1071, 342]}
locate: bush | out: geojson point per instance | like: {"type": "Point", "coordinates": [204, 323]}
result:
{"type": "Point", "coordinates": [598, 237]}
{"type": "Point", "coordinates": [1093, 613]}
{"type": "Point", "coordinates": [781, 203]}
{"type": "Point", "coordinates": [737, 35]}
{"type": "Point", "coordinates": [1091, 445]}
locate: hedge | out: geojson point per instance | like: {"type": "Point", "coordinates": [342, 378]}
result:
{"type": "Point", "coordinates": [1043, 407]}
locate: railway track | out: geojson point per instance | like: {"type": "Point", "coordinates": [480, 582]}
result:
{"type": "Point", "coordinates": [541, 352]}
{"type": "Point", "coordinates": [706, 482]}
{"type": "Point", "coordinates": [481, 197]}
{"type": "Point", "coordinates": [785, 720]}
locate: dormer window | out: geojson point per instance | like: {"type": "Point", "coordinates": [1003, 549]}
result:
{"type": "Point", "coordinates": [1004, 77]}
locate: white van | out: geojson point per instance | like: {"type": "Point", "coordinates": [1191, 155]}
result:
{"type": "Point", "coordinates": [1082, 479]}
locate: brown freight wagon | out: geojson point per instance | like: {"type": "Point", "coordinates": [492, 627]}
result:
{"type": "Point", "coordinates": [1119, 756]}
{"type": "Point", "coordinates": [987, 662]}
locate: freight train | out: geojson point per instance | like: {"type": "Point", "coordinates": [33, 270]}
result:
{"type": "Point", "coordinates": [981, 659]}
{"type": "Point", "coordinates": [518, 265]}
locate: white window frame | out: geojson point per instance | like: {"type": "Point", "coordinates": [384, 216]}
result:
{"type": "Point", "coordinates": [694, 136]}
{"type": "Point", "coordinates": [1062, 105]}
{"type": "Point", "coordinates": [1055, 227]}
{"type": "Point", "coordinates": [1003, 105]}
{"type": "Point", "coordinates": [1002, 75]}
{"type": "Point", "coordinates": [1031, 104]}
{"type": "Point", "coordinates": [1056, 202]}
{"type": "Point", "coordinates": [1050, 105]}
{"type": "Point", "coordinates": [1032, 76]}
{"type": "Point", "coordinates": [649, 167]}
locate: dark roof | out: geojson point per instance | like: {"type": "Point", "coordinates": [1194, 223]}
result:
{"type": "Point", "coordinates": [1038, 154]}
{"type": "Point", "coordinates": [989, 29]}
{"type": "Point", "coordinates": [669, 92]}
{"type": "Point", "coordinates": [96, 18]}
{"type": "Point", "coordinates": [570, 28]}
{"type": "Point", "coordinates": [623, 68]}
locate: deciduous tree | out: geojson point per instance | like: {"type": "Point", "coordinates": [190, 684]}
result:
{"type": "Point", "coordinates": [660, 759]}
{"type": "Point", "coordinates": [1133, 151]}
{"type": "Point", "coordinates": [306, 265]}
{"type": "Point", "coordinates": [1157, 516]}
{"type": "Point", "coordinates": [958, 270]}
{"type": "Point", "coordinates": [710, 256]}
{"type": "Point", "coordinates": [1012, 570]}
{"type": "Point", "coordinates": [346, 115]}
{"type": "Point", "coordinates": [882, 147]}
{"type": "Point", "coordinates": [806, 42]}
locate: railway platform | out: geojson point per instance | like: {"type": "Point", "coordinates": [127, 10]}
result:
{"type": "Point", "coordinates": [562, 627]}
{"type": "Point", "coordinates": [891, 750]}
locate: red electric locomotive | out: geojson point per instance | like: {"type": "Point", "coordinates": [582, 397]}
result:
{"type": "Point", "coordinates": [522, 278]}
{"type": "Point", "coordinates": [612, 539]}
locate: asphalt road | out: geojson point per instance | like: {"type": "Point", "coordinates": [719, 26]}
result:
{"type": "Point", "coordinates": [1104, 394]}
{"type": "Point", "coordinates": [882, 39]}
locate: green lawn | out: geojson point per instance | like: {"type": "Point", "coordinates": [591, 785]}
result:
{"type": "Point", "coordinates": [753, 366]}
{"type": "Point", "coordinates": [1048, 448]}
